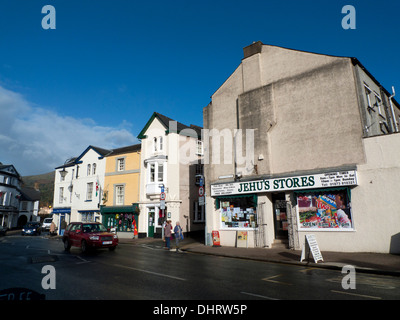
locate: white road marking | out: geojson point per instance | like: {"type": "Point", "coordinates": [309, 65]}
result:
{"type": "Point", "coordinates": [151, 272]}
{"type": "Point", "coordinates": [83, 260]}
{"type": "Point", "coordinates": [257, 295]}
{"type": "Point", "coordinates": [357, 295]}
{"type": "Point", "coordinates": [275, 281]}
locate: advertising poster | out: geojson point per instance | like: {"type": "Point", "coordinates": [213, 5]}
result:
{"type": "Point", "coordinates": [325, 211]}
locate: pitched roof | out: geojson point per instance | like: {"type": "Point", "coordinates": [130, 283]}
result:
{"type": "Point", "coordinates": [132, 148]}
{"type": "Point", "coordinates": [102, 152]}
{"type": "Point", "coordinates": [10, 170]}
{"type": "Point", "coordinates": [30, 194]}
{"type": "Point", "coordinates": [165, 121]}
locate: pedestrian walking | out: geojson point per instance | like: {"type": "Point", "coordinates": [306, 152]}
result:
{"type": "Point", "coordinates": [63, 226]}
{"type": "Point", "coordinates": [178, 235]}
{"type": "Point", "coordinates": [167, 234]}
{"type": "Point", "coordinates": [52, 228]}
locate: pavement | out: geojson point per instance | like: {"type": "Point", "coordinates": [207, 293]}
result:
{"type": "Point", "coordinates": [374, 263]}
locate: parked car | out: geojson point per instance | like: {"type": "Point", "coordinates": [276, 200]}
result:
{"type": "Point", "coordinates": [46, 224]}
{"type": "Point", "coordinates": [88, 235]}
{"type": "Point", "coordinates": [31, 228]}
{"type": "Point", "coordinates": [3, 231]}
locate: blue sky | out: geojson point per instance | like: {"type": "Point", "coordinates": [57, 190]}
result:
{"type": "Point", "coordinates": [97, 78]}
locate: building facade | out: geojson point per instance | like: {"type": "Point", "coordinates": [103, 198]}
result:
{"type": "Point", "coordinates": [10, 193]}
{"type": "Point", "coordinates": [170, 158]}
{"type": "Point", "coordinates": [78, 187]}
{"type": "Point", "coordinates": [300, 133]}
{"type": "Point", "coordinates": [29, 205]}
{"type": "Point", "coordinates": [120, 209]}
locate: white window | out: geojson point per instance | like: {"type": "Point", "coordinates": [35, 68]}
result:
{"type": "Point", "coordinates": [24, 206]}
{"type": "Point", "coordinates": [94, 168]}
{"type": "Point", "coordinates": [119, 194]}
{"type": "Point", "coordinates": [6, 199]}
{"type": "Point", "coordinates": [155, 144]}
{"type": "Point", "coordinates": [121, 164]}
{"type": "Point", "coordinates": [199, 147]}
{"type": "Point", "coordinates": [2, 197]}
{"type": "Point", "coordinates": [368, 94]}
{"type": "Point", "coordinates": [88, 169]}
{"type": "Point", "coordinates": [160, 143]}
{"type": "Point", "coordinates": [378, 104]}
{"type": "Point", "coordinates": [61, 195]}
{"type": "Point", "coordinates": [152, 172]}
{"type": "Point", "coordinates": [89, 191]}
{"type": "Point", "coordinates": [160, 172]}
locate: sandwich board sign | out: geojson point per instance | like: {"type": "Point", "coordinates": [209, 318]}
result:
{"type": "Point", "coordinates": [310, 244]}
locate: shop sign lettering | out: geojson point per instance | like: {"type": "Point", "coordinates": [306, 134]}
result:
{"type": "Point", "coordinates": [331, 179]}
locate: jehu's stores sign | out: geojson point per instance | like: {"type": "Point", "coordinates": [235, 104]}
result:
{"type": "Point", "coordinates": [323, 180]}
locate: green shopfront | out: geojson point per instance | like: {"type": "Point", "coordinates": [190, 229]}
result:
{"type": "Point", "coordinates": [122, 220]}
{"type": "Point", "coordinates": [278, 210]}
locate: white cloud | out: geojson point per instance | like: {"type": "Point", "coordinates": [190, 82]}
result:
{"type": "Point", "coordinates": [36, 140]}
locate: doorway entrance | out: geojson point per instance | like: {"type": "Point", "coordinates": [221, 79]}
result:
{"type": "Point", "coordinates": [150, 230]}
{"type": "Point", "coordinates": [280, 216]}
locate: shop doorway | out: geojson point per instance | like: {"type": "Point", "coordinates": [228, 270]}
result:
{"type": "Point", "coordinates": [150, 232]}
{"type": "Point", "coordinates": [280, 216]}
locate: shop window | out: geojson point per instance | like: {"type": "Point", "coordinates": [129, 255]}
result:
{"type": "Point", "coordinates": [120, 222]}
{"type": "Point", "coordinates": [325, 210]}
{"type": "Point", "coordinates": [238, 212]}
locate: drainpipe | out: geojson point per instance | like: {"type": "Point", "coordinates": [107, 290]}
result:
{"type": "Point", "coordinates": [396, 129]}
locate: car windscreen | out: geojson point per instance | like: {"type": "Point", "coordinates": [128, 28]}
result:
{"type": "Point", "coordinates": [87, 228]}
{"type": "Point", "coordinates": [31, 225]}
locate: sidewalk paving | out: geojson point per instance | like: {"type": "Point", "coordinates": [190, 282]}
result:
{"type": "Point", "coordinates": [375, 263]}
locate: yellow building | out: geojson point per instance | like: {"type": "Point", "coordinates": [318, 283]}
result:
{"type": "Point", "coordinates": [120, 210]}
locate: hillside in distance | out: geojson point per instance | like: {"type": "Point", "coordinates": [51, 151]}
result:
{"type": "Point", "coordinates": [45, 183]}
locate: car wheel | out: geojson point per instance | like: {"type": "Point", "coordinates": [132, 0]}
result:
{"type": "Point", "coordinates": [67, 245]}
{"type": "Point", "coordinates": [84, 246]}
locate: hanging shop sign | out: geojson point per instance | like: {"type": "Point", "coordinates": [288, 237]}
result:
{"type": "Point", "coordinates": [323, 180]}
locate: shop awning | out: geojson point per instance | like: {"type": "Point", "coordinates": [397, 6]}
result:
{"type": "Point", "coordinates": [134, 208]}
{"type": "Point", "coordinates": [218, 199]}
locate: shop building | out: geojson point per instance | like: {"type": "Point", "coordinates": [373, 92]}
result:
{"type": "Point", "coordinates": [78, 187]}
{"type": "Point", "coordinates": [170, 165]}
{"type": "Point", "coordinates": [120, 209]}
{"type": "Point", "coordinates": [301, 143]}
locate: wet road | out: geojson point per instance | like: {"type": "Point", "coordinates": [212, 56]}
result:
{"type": "Point", "coordinates": [149, 272]}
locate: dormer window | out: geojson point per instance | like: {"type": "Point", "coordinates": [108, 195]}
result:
{"type": "Point", "coordinates": [88, 169]}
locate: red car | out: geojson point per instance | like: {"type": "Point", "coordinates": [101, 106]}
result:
{"type": "Point", "coordinates": [88, 235]}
